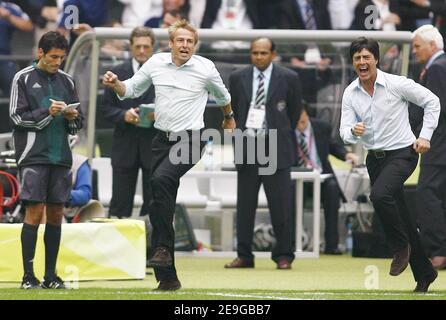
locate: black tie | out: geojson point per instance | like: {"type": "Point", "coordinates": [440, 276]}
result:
{"type": "Point", "coordinates": [304, 156]}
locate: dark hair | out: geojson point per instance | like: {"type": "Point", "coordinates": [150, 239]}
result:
{"type": "Point", "coordinates": [273, 45]}
{"type": "Point", "coordinates": [53, 40]}
{"type": "Point", "coordinates": [142, 32]}
{"type": "Point", "coordinates": [364, 43]}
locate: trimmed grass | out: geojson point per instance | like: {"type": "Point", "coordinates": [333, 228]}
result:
{"type": "Point", "coordinates": [330, 277]}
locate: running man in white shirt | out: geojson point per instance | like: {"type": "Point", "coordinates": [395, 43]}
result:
{"type": "Point", "coordinates": [375, 111]}
{"type": "Point", "coordinates": [182, 81]}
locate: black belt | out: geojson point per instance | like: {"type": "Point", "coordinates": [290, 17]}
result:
{"type": "Point", "coordinates": [167, 134]}
{"type": "Point", "coordinates": [380, 154]}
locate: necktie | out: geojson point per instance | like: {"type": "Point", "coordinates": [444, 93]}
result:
{"type": "Point", "coordinates": [310, 22]}
{"type": "Point", "coordinates": [260, 95]}
{"type": "Point", "coordinates": [303, 155]}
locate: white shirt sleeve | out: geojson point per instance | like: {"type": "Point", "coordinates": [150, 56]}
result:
{"type": "Point", "coordinates": [139, 83]}
{"type": "Point", "coordinates": [216, 86]}
{"type": "Point", "coordinates": [348, 119]}
{"type": "Point", "coordinates": [424, 98]}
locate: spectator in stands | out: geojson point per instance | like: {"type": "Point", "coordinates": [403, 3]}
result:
{"type": "Point", "coordinates": [314, 143]}
{"type": "Point", "coordinates": [438, 8]}
{"type": "Point", "coordinates": [431, 202]}
{"type": "Point", "coordinates": [231, 15]}
{"type": "Point", "coordinates": [11, 18]}
{"type": "Point", "coordinates": [412, 14]}
{"type": "Point", "coordinates": [91, 14]}
{"type": "Point", "coordinates": [183, 81]}
{"type": "Point", "coordinates": [39, 95]}
{"type": "Point", "coordinates": [44, 14]}
{"type": "Point", "coordinates": [313, 66]}
{"type": "Point", "coordinates": [173, 10]}
{"type": "Point", "coordinates": [275, 92]}
{"type": "Point", "coordinates": [382, 124]}
{"type": "Point", "coordinates": [388, 18]}
{"type": "Point", "coordinates": [137, 12]}
{"type": "Point", "coordinates": [196, 12]}
{"type": "Point", "coordinates": [132, 143]}
{"type": "Point", "coordinates": [342, 13]}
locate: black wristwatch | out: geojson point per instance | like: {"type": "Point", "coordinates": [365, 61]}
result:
{"type": "Point", "coordinates": [229, 115]}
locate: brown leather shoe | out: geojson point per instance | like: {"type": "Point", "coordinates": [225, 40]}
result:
{"type": "Point", "coordinates": [400, 261]}
{"type": "Point", "coordinates": [283, 264]}
{"type": "Point", "coordinates": [239, 263]}
{"type": "Point", "coordinates": [423, 285]}
{"type": "Point", "coordinates": [438, 262]}
{"type": "Point", "coordinates": [161, 258]}
{"type": "Point", "coordinates": [169, 285]}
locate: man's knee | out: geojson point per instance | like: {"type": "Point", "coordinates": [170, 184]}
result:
{"type": "Point", "coordinates": [379, 196]}
{"type": "Point", "coordinates": [54, 213]}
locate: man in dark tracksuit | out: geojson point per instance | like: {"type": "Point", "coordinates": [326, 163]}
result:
{"type": "Point", "coordinates": [132, 144]}
{"type": "Point", "coordinates": [40, 93]}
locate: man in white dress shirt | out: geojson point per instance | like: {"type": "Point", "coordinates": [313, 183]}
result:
{"type": "Point", "coordinates": [375, 111]}
{"type": "Point", "coordinates": [182, 81]}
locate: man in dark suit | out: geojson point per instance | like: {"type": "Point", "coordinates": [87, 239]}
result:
{"type": "Point", "coordinates": [431, 195]}
{"type": "Point", "coordinates": [132, 143]}
{"type": "Point", "coordinates": [314, 143]}
{"type": "Point", "coordinates": [293, 14]}
{"type": "Point", "coordinates": [273, 93]}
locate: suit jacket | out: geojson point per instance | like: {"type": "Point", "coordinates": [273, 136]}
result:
{"type": "Point", "coordinates": [212, 8]}
{"type": "Point", "coordinates": [128, 139]}
{"type": "Point", "coordinates": [434, 81]}
{"type": "Point", "coordinates": [283, 105]}
{"type": "Point", "coordinates": [325, 145]}
{"type": "Point", "coordinates": [290, 17]}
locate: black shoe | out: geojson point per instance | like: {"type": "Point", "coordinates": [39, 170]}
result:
{"type": "Point", "coordinates": [30, 282]}
{"type": "Point", "coordinates": [333, 251]}
{"type": "Point", "coordinates": [400, 261]}
{"type": "Point", "coordinates": [161, 258]}
{"type": "Point", "coordinates": [423, 285]}
{"type": "Point", "coordinates": [53, 283]}
{"type": "Point", "coordinates": [240, 263]}
{"type": "Point", "coordinates": [169, 285]}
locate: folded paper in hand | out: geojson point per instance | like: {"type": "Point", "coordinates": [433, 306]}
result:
{"type": "Point", "coordinates": [144, 110]}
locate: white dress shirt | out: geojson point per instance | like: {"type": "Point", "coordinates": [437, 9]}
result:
{"type": "Point", "coordinates": [181, 93]}
{"type": "Point", "coordinates": [385, 114]}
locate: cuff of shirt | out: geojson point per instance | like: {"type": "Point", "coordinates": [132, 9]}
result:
{"type": "Point", "coordinates": [349, 137]}
{"type": "Point", "coordinates": [126, 93]}
{"type": "Point", "coordinates": [426, 133]}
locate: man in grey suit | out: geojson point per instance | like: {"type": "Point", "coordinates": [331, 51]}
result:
{"type": "Point", "coordinates": [274, 93]}
{"type": "Point", "coordinates": [431, 195]}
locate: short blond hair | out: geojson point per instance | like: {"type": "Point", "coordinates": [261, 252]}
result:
{"type": "Point", "coordinates": [182, 24]}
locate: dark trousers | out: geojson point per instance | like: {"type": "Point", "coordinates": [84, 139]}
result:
{"type": "Point", "coordinates": [331, 199]}
{"type": "Point", "coordinates": [124, 186]}
{"type": "Point", "coordinates": [431, 209]}
{"type": "Point", "coordinates": [387, 176]}
{"type": "Point", "coordinates": [277, 189]}
{"type": "Point", "coordinates": [165, 182]}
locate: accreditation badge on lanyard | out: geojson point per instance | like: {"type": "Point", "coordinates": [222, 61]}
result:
{"type": "Point", "coordinates": [256, 117]}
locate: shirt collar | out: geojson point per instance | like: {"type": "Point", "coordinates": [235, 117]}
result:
{"type": "Point", "coordinates": [189, 62]}
{"type": "Point", "coordinates": [135, 65]}
{"type": "Point", "coordinates": [267, 72]}
{"type": "Point", "coordinates": [380, 79]}
{"type": "Point", "coordinates": [432, 59]}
